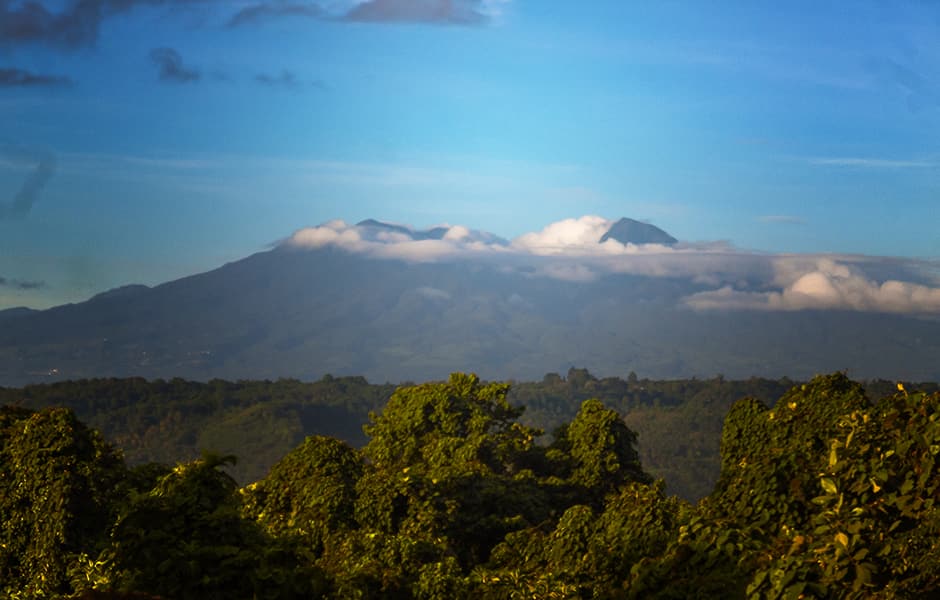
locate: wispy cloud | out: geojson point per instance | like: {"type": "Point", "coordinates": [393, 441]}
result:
{"type": "Point", "coordinates": [20, 284]}
{"type": "Point", "coordinates": [921, 92]}
{"type": "Point", "coordinates": [782, 219]}
{"type": "Point", "coordinates": [170, 67]}
{"type": "Point", "coordinates": [872, 163]}
{"type": "Point", "coordinates": [28, 193]}
{"type": "Point", "coordinates": [453, 12]}
{"type": "Point", "coordinates": [283, 79]}
{"type": "Point", "coordinates": [434, 12]}
{"type": "Point", "coordinates": [286, 80]}
{"type": "Point", "coordinates": [257, 13]}
{"type": "Point", "coordinates": [13, 77]}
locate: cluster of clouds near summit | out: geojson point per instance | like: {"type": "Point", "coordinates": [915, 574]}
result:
{"type": "Point", "coordinates": [729, 278]}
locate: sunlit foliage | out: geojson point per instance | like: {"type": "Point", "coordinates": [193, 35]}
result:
{"type": "Point", "coordinates": [823, 495]}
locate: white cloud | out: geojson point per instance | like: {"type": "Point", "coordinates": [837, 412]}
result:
{"type": "Point", "coordinates": [830, 285]}
{"type": "Point", "coordinates": [562, 237]}
{"type": "Point", "coordinates": [335, 233]}
{"type": "Point", "coordinates": [458, 232]}
{"type": "Point", "coordinates": [457, 241]}
{"type": "Point", "coordinates": [733, 279]}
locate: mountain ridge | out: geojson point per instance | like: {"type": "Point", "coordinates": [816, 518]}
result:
{"type": "Point", "coordinates": [304, 312]}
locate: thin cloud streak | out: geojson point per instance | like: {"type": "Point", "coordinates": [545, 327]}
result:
{"type": "Point", "coordinates": [20, 284]}
{"type": "Point", "coordinates": [29, 191]}
{"type": "Point", "coordinates": [285, 80]}
{"type": "Point", "coordinates": [13, 77]}
{"type": "Point", "coordinates": [921, 93]}
{"type": "Point", "coordinates": [258, 13]}
{"type": "Point", "coordinates": [431, 12]}
{"type": "Point", "coordinates": [874, 163]}
{"type": "Point", "coordinates": [450, 12]}
{"type": "Point", "coordinates": [782, 219]}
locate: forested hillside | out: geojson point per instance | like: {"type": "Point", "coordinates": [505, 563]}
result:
{"type": "Point", "coordinates": [173, 421]}
{"type": "Point", "coordinates": [825, 494]}
{"type": "Point", "coordinates": [678, 422]}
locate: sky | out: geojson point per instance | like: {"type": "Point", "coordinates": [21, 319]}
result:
{"type": "Point", "coordinates": [146, 140]}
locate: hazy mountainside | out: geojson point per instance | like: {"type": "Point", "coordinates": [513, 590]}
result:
{"type": "Point", "coordinates": [302, 312]}
{"type": "Point", "coordinates": [18, 311]}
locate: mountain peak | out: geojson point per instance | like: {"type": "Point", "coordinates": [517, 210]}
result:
{"type": "Point", "coordinates": [435, 233]}
{"type": "Point", "coordinates": [631, 231]}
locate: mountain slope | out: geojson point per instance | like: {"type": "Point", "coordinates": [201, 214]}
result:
{"type": "Point", "coordinates": [303, 313]}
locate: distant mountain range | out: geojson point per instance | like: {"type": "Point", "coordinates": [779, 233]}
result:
{"type": "Point", "coordinates": [305, 311]}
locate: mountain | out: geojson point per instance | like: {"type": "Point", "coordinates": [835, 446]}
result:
{"type": "Point", "coordinates": [435, 233]}
{"type": "Point", "coordinates": [628, 231]}
{"type": "Point", "coordinates": [306, 311]}
{"type": "Point", "coordinates": [17, 311]}
{"type": "Point", "coordinates": [373, 230]}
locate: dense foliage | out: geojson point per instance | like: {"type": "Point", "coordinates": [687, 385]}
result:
{"type": "Point", "coordinates": [173, 421]}
{"type": "Point", "coordinates": [678, 422]}
{"type": "Point", "coordinates": [825, 494]}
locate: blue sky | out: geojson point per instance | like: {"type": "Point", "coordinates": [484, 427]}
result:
{"type": "Point", "coordinates": [145, 140]}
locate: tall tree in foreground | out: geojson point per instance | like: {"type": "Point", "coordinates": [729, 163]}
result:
{"type": "Point", "coordinates": [824, 495]}
{"type": "Point", "coordinates": [185, 538]}
{"type": "Point", "coordinates": [58, 484]}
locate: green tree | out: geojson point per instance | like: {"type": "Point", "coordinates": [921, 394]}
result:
{"type": "Point", "coordinates": [185, 538]}
{"type": "Point", "coordinates": [822, 496]}
{"type": "Point", "coordinates": [58, 483]}
{"type": "Point", "coordinates": [311, 492]}
{"type": "Point", "coordinates": [446, 477]}
{"type": "Point", "coordinates": [601, 451]}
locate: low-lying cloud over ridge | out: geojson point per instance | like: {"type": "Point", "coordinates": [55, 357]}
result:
{"type": "Point", "coordinates": [830, 285]}
{"type": "Point", "coordinates": [733, 279]}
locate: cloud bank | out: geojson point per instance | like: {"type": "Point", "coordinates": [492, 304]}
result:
{"type": "Point", "coordinates": [727, 278]}
{"type": "Point", "coordinates": [830, 284]}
